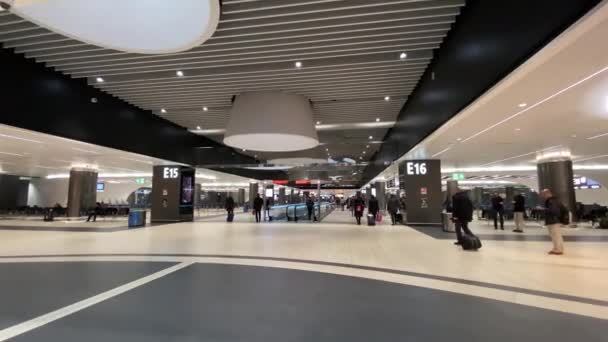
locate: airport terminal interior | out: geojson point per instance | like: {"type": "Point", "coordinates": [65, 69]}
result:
{"type": "Point", "coordinates": [304, 170]}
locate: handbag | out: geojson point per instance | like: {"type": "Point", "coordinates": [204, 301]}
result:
{"type": "Point", "coordinates": [378, 217]}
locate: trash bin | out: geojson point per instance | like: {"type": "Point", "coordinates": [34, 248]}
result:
{"type": "Point", "coordinates": [137, 218]}
{"type": "Point", "coordinates": [448, 224]}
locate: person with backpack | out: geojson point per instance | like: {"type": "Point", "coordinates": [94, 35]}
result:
{"type": "Point", "coordinates": [556, 215]}
{"type": "Point", "coordinates": [462, 214]}
{"type": "Point", "coordinates": [258, 202]}
{"type": "Point", "coordinates": [393, 208]}
{"type": "Point", "coordinates": [358, 205]}
{"type": "Point", "coordinates": [229, 205]}
{"type": "Point", "coordinates": [310, 206]}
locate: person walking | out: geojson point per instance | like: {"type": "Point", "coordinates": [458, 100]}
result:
{"type": "Point", "coordinates": [462, 214]}
{"type": "Point", "coordinates": [373, 207]}
{"type": "Point", "coordinates": [519, 207]}
{"type": "Point", "coordinates": [499, 210]}
{"type": "Point", "coordinates": [358, 206]}
{"type": "Point", "coordinates": [267, 206]}
{"type": "Point", "coordinates": [94, 212]}
{"type": "Point", "coordinates": [258, 202]}
{"type": "Point", "coordinates": [229, 205]}
{"type": "Point", "coordinates": [403, 207]}
{"type": "Point", "coordinates": [554, 221]}
{"type": "Point", "coordinates": [310, 206]}
{"type": "Point", "coordinates": [393, 208]}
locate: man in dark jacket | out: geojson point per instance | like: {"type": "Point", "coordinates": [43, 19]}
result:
{"type": "Point", "coordinates": [519, 206]}
{"type": "Point", "coordinates": [552, 221]}
{"type": "Point", "coordinates": [358, 205]}
{"type": "Point", "coordinates": [310, 206]}
{"type": "Point", "coordinates": [499, 210]}
{"type": "Point", "coordinates": [258, 202]}
{"type": "Point", "coordinates": [373, 206]}
{"type": "Point", "coordinates": [462, 214]}
{"type": "Point", "coordinates": [393, 208]}
{"type": "Point", "coordinates": [230, 205]}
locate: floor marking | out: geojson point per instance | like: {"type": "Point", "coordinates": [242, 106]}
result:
{"type": "Point", "coordinates": [39, 321]}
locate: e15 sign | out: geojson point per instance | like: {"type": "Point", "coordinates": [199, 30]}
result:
{"type": "Point", "coordinates": [170, 172]}
{"type": "Point", "coordinates": [415, 168]}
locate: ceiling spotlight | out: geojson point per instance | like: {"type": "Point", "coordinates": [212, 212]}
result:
{"type": "Point", "coordinates": [318, 122]}
{"type": "Point", "coordinates": [522, 105]}
{"type": "Point", "coordinates": [370, 137]}
{"type": "Point", "coordinates": [99, 79]}
{"type": "Point", "coordinates": [163, 110]}
{"type": "Point", "coordinates": [367, 146]}
{"type": "Point", "coordinates": [326, 149]}
{"type": "Point", "coordinates": [518, 129]}
{"type": "Point", "coordinates": [179, 73]}
{"type": "Point", "coordinates": [458, 139]}
{"type": "Point", "coordinates": [377, 119]}
{"type": "Point", "coordinates": [298, 64]}
{"type": "Point", "coordinates": [198, 127]}
{"type": "Point", "coordinates": [205, 109]}
{"type": "Point", "coordinates": [244, 150]}
{"type": "Point", "coordinates": [403, 55]}
{"type": "Point", "coordinates": [361, 158]}
{"type": "Point", "coordinates": [387, 98]}
{"type": "Point", "coordinates": [363, 152]}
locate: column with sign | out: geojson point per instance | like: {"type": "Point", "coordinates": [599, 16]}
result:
{"type": "Point", "coordinates": [421, 180]}
{"type": "Point", "coordinates": [173, 191]}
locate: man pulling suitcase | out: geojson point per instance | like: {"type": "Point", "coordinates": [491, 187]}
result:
{"type": "Point", "coordinates": [462, 214]}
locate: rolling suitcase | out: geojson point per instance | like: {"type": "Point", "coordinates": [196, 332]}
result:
{"type": "Point", "coordinates": [371, 220]}
{"type": "Point", "coordinates": [470, 242]}
{"type": "Point", "coordinates": [230, 217]}
{"type": "Point", "coordinates": [399, 218]}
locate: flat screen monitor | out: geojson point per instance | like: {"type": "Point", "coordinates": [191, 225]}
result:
{"type": "Point", "coordinates": [101, 187]}
{"type": "Point", "coordinates": [269, 193]}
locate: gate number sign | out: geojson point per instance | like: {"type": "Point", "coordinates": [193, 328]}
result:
{"type": "Point", "coordinates": [414, 168]}
{"type": "Point", "coordinates": [170, 172]}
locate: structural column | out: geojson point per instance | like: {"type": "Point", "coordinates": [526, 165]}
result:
{"type": "Point", "coordinates": [240, 200]}
{"type": "Point", "coordinates": [82, 191]}
{"type": "Point", "coordinates": [381, 195]}
{"type": "Point", "coordinates": [282, 196]}
{"type": "Point", "coordinates": [422, 183]}
{"type": "Point", "coordinates": [557, 176]}
{"type": "Point", "coordinates": [173, 193]}
{"type": "Point", "coordinates": [253, 191]}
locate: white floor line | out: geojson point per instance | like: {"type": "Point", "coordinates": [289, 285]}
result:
{"type": "Point", "coordinates": [39, 321]}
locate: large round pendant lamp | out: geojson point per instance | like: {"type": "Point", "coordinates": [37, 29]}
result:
{"type": "Point", "coordinates": [271, 122]}
{"type": "Point", "coordinates": [136, 26]}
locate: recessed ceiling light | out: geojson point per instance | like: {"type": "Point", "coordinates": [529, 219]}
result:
{"type": "Point", "coordinates": [522, 105]}
{"type": "Point", "coordinates": [198, 127]}
{"type": "Point", "coordinates": [377, 119]}
{"type": "Point", "coordinates": [573, 135]}
{"type": "Point", "coordinates": [363, 152]}
{"type": "Point", "coordinates": [318, 122]}
{"type": "Point", "coordinates": [163, 110]}
{"type": "Point", "coordinates": [179, 73]}
{"type": "Point", "coordinates": [403, 55]}
{"type": "Point", "coordinates": [298, 64]}
{"type": "Point", "coordinates": [518, 129]}
{"type": "Point", "coordinates": [458, 139]}
{"type": "Point", "coordinates": [360, 157]}
{"type": "Point", "coordinates": [99, 79]}
{"type": "Point", "coordinates": [244, 150]}
{"type": "Point", "coordinates": [387, 98]}
{"type": "Point", "coordinates": [205, 109]}
{"type": "Point", "coordinates": [367, 146]}
{"type": "Point", "coordinates": [370, 137]}
{"type": "Point", "coordinates": [326, 149]}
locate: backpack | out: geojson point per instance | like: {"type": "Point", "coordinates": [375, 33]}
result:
{"type": "Point", "coordinates": [564, 215]}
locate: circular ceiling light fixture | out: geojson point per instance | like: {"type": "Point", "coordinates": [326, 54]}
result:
{"type": "Point", "coordinates": [403, 56]}
{"type": "Point", "coordinates": [298, 64]}
{"type": "Point", "coordinates": [155, 27]}
{"type": "Point", "coordinates": [387, 98]}
{"type": "Point", "coordinates": [271, 122]}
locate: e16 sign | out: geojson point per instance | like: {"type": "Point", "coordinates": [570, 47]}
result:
{"type": "Point", "coordinates": [416, 168]}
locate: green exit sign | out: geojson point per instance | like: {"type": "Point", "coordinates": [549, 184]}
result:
{"type": "Point", "coordinates": [140, 180]}
{"type": "Point", "coordinates": [458, 176]}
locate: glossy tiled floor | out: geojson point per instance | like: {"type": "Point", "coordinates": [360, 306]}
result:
{"type": "Point", "coordinates": [515, 273]}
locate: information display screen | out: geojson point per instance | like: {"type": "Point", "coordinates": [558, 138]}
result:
{"type": "Point", "coordinates": [187, 189]}
{"type": "Point", "coordinates": [101, 187]}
